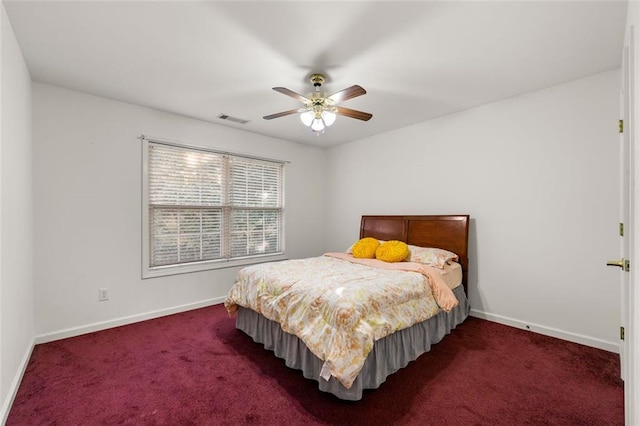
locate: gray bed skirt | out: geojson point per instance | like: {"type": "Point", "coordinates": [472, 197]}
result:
{"type": "Point", "coordinates": [389, 354]}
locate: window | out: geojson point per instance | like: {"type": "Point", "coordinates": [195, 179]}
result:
{"type": "Point", "coordinates": [205, 209]}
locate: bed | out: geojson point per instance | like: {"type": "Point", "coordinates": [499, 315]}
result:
{"type": "Point", "coordinates": [372, 352]}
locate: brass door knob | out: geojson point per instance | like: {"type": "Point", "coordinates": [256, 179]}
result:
{"type": "Point", "coordinates": [621, 263]}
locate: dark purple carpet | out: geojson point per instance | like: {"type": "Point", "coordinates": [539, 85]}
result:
{"type": "Point", "coordinates": [195, 368]}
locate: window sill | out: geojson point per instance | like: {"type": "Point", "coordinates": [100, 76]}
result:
{"type": "Point", "coordinates": [162, 271]}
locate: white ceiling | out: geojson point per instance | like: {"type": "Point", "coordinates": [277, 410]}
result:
{"type": "Point", "coordinates": [417, 60]}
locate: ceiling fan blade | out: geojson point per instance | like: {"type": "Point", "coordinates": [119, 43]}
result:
{"type": "Point", "coordinates": [293, 94]}
{"type": "Point", "coordinates": [352, 113]}
{"type": "Point", "coordinates": [281, 114]}
{"type": "Point", "coordinates": [348, 93]}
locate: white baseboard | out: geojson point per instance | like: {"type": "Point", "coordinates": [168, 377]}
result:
{"type": "Point", "coordinates": [547, 331]}
{"type": "Point", "coordinates": [98, 326]}
{"type": "Point", "coordinates": [15, 384]}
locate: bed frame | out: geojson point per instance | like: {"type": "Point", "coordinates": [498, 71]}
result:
{"type": "Point", "coordinates": [397, 350]}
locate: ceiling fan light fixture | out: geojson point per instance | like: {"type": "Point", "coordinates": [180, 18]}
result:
{"type": "Point", "coordinates": [317, 125]}
{"type": "Point", "coordinates": [329, 117]}
{"type": "Point", "coordinates": [320, 110]}
{"type": "Point", "coordinates": [307, 117]}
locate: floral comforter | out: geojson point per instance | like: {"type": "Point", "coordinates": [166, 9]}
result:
{"type": "Point", "coordinates": [339, 307]}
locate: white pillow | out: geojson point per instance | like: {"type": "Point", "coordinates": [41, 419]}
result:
{"type": "Point", "coordinates": [431, 256]}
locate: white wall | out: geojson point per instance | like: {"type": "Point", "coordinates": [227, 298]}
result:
{"type": "Point", "coordinates": [87, 168]}
{"type": "Point", "coordinates": [537, 173]}
{"type": "Point", "coordinates": [16, 216]}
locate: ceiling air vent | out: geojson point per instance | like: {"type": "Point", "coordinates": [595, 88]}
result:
{"type": "Point", "coordinates": [233, 119]}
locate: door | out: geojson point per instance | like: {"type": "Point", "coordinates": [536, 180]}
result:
{"type": "Point", "coordinates": [626, 218]}
{"type": "Point", "coordinates": [628, 195]}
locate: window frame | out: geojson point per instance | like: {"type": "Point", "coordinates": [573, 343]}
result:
{"type": "Point", "coordinates": [203, 265]}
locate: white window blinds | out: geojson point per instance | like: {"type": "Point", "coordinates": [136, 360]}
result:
{"type": "Point", "coordinates": [208, 206]}
{"type": "Point", "coordinates": [255, 200]}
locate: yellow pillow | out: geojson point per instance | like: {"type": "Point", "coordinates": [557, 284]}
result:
{"type": "Point", "coordinates": [393, 251]}
{"type": "Point", "coordinates": [365, 248]}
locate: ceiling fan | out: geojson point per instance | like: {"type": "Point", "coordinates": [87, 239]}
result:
{"type": "Point", "coordinates": [319, 110]}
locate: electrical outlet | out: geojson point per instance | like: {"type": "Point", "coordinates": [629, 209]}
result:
{"type": "Point", "coordinates": [103, 294]}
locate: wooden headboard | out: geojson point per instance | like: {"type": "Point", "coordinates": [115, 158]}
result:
{"type": "Point", "coordinates": [449, 232]}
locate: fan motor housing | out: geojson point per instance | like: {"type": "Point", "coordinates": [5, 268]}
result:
{"type": "Point", "coordinates": [317, 79]}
